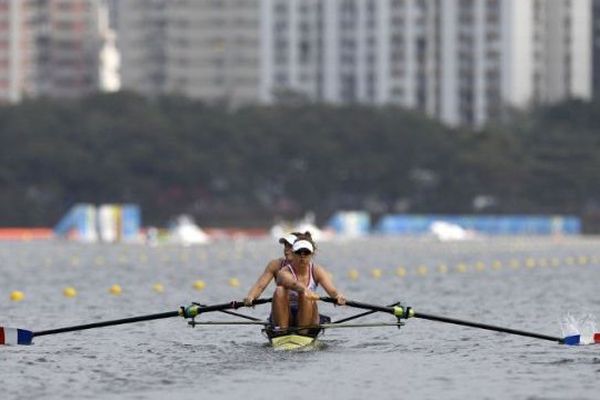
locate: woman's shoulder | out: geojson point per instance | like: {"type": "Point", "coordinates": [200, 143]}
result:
{"type": "Point", "coordinates": [275, 263]}
{"type": "Point", "coordinates": [318, 269]}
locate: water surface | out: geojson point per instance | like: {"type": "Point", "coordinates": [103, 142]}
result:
{"type": "Point", "coordinates": [524, 283]}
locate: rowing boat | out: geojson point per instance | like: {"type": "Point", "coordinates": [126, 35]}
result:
{"type": "Point", "coordinates": [295, 337]}
{"type": "Point", "coordinates": [292, 341]}
{"type": "Point", "coordinates": [290, 338]}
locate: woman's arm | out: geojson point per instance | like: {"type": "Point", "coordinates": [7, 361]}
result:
{"type": "Point", "coordinates": [287, 280]}
{"type": "Point", "coordinates": [262, 282]}
{"type": "Point", "coordinates": [323, 278]}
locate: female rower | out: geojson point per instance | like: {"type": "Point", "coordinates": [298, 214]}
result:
{"type": "Point", "coordinates": [294, 300]}
{"type": "Point", "coordinates": [272, 268]}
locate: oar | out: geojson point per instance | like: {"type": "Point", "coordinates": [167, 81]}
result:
{"type": "Point", "coordinates": [408, 312]}
{"type": "Point", "coordinates": [565, 340]}
{"type": "Point", "coordinates": [23, 336]}
{"type": "Point", "coordinates": [299, 328]}
{"type": "Point", "coordinates": [363, 314]}
{"type": "Point", "coordinates": [335, 325]}
{"type": "Point", "coordinates": [248, 317]}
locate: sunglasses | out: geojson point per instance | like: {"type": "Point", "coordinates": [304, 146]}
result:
{"type": "Point", "coordinates": [303, 253]}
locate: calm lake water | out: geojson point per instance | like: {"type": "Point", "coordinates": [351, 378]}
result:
{"type": "Point", "coordinates": [532, 284]}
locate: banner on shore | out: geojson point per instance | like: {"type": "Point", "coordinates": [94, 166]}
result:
{"type": "Point", "coordinates": [486, 224]}
{"type": "Point", "coordinates": [109, 223]}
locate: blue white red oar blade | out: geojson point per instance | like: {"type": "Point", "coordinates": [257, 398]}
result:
{"type": "Point", "coordinates": [15, 336]}
{"type": "Point", "coordinates": [572, 340]}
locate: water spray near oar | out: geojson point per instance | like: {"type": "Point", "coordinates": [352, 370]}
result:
{"type": "Point", "coordinates": [584, 325]}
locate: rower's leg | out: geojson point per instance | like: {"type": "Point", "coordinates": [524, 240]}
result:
{"type": "Point", "coordinates": [280, 308]}
{"type": "Point", "coordinates": [308, 313]}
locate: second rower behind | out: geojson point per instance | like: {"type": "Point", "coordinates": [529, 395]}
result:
{"type": "Point", "coordinates": [294, 300]}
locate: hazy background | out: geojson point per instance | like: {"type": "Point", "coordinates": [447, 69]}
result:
{"type": "Point", "coordinates": [246, 113]}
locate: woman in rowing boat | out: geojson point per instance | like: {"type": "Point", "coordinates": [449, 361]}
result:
{"type": "Point", "coordinates": [272, 268]}
{"type": "Point", "coordinates": [294, 300]}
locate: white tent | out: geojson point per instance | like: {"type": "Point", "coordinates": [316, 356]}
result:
{"type": "Point", "coordinates": [185, 231]}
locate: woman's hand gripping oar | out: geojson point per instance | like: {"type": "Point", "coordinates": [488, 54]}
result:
{"type": "Point", "coordinates": [25, 337]}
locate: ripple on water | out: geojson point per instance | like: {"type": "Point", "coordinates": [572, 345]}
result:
{"type": "Point", "coordinates": [424, 359]}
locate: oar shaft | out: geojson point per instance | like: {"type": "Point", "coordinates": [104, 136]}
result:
{"type": "Point", "coordinates": [233, 305]}
{"type": "Point", "coordinates": [101, 324]}
{"type": "Point", "coordinates": [365, 325]}
{"type": "Point", "coordinates": [363, 306]}
{"type": "Point", "coordinates": [293, 329]}
{"type": "Point", "coordinates": [487, 327]}
{"type": "Point", "coordinates": [413, 314]}
{"type": "Point", "coordinates": [169, 314]}
{"type": "Point", "coordinates": [363, 314]}
{"type": "Point", "coordinates": [248, 317]}
{"type": "Point", "coordinates": [234, 323]}
{"type": "Point", "coordinates": [236, 305]}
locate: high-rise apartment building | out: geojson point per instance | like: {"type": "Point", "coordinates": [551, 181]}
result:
{"type": "Point", "coordinates": [15, 50]}
{"type": "Point", "coordinates": [57, 48]}
{"type": "Point", "coordinates": [70, 36]}
{"type": "Point", "coordinates": [596, 47]}
{"type": "Point", "coordinates": [562, 50]}
{"type": "Point", "coordinates": [461, 61]}
{"type": "Point", "coordinates": [205, 49]}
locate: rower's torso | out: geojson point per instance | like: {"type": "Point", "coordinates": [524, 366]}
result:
{"type": "Point", "coordinates": [305, 276]}
{"type": "Point", "coordinates": [279, 264]}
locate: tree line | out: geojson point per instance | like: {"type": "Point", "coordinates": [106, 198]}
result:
{"type": "Point", "coordinates": [250, 166]}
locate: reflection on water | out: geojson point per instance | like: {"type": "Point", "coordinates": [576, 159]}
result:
{"type": "Point", "coordinates": [524, 283]}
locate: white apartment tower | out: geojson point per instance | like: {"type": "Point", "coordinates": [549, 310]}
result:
{"type": "Point", "coordinates": [72, 42]}
{"type": "Point", "coordinates": [56, 48]}
{"type": "Point", "coordinates": [15, 51]}
{"type": "Point", "coordinates": [563, 52]}
{"type": "Point", "coordinates": [205, 49]}
{"type": "Point", "coordinates": [596, 48]}
{"type": "Point", "coordinates": [461, 61]}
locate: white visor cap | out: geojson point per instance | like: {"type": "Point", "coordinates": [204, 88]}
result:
{"type": "Point", "coordinates": [303, 245]}
{"type": "Point", "coordinates": [289, 239]}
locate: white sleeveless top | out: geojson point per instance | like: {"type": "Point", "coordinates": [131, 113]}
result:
{"type": "Point", "coordinates": [312, 284]}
